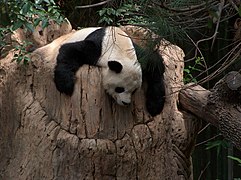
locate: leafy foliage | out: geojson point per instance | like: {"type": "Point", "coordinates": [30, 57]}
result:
{"type": "Point", "coordinates": [26, 14]}
{"type": "Point", "coordinates": [21, 53]}
{"type": "Point", "coordinates": [235, 159]}
{"type": "Point", "coordinates": [191, 69]}
{"type": "Point", "coordinates": [125, 14]}
{"type": "Point", "coordinates": [217, 144]}
{"type": "Point", "coordinates": [3, 32]}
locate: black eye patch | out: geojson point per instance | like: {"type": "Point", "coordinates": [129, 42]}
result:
{"type": "Point", "coordinates": [119, 89]}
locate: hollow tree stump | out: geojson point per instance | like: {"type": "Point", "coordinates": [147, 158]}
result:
{"type": "Point", "coordinates": [47, 135]}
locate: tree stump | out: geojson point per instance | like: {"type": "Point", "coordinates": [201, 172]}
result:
{"type": "Point", "coordinates": [47, 135]}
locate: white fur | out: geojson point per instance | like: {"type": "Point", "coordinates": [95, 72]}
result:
{"type": "Point", "coordinates": [117, 46]}
{"type": "Point", "coordinates": [80, 35]}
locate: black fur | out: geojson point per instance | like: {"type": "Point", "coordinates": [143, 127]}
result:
{"type": "Point", "coordinates": [155, 95]}
{"type": "Point", "coordinates": [153, 69]}
{"type": "Point", "coordinates": [115, 66]}
{"type": "Point", "coordinates": [73, 55]}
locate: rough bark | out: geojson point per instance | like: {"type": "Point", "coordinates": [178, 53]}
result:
{"type": "Point", "coordinates": [47, 135]}
{"type": "Point", "coordinates": [220, 106]}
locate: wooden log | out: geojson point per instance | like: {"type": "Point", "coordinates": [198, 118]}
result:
{"type": "Point", "coordinates": [220, 107]}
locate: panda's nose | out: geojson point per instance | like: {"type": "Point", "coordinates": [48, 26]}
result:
{"type": "Point", "coordinates": [125, 103]}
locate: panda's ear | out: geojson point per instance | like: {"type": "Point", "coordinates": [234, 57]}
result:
{"type": "Point", "coordinates": [115, 66]}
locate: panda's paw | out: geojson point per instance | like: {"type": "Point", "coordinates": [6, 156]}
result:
{"type": "Point", "coordinates": [155, 97]}
{"type": "Point", "coordinates": [66, 88]}
{"type": "Point", "coordinates": [155, 106]}
{"type": "Point", "coordinates": [64, 81]}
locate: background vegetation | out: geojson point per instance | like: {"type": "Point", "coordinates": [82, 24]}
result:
{"type": "Point", "coordinates": [208, 31]}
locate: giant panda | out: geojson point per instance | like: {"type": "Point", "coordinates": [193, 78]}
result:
{"type": "Point", "coordinates": [112, 50]}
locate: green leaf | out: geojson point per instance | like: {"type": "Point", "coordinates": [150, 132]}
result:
{"type": "Point", "coordinates": [187, 71]}
{"type": "Point", "coordinates": [121, 10]}
{"type": "Point", "coordinates": [38, 1]}
{"type": "Point", "coordinates": [102, 12]}
{"type": "Point", "coordinates": [52, 9]}
{"type": "Point", "coordinates": [217, 144]}
{"type": "Point", "coordinates": [235, 159]}
{"type": "Point", "coordinates": [17, 25]}
{"type": "Point", "coordinates": [110, 11]}
{"type": "Point", "coordinates": [26, 8]}
{"type": "Point", "coordinates": [52, 1]}
{"type": "Point", "coordinates": [19, 59]}
{"type": "Point", "coordinates": [26, 60]}
{"type": "Point", "coordinates": [213, 144]}
{"type": "Point", "coordinates": [39, 7]}
{"type": "Point", "coordinates": [47, 1]}
{"type": "Point", "coordinates": [45, 23]}
{"type": "Point", "coordinates": [36, 22]}
{"type": "Point", "coordinates": [29, 26]}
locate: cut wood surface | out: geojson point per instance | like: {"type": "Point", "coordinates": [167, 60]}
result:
{"type": "Point", "coordinates": [47, 135]}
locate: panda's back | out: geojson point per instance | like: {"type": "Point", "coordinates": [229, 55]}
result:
{"type": "Point", "coordinates": [80, 35]}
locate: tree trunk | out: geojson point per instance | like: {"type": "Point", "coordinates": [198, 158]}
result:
{"type": "Point", "coordinates": [47, 135]}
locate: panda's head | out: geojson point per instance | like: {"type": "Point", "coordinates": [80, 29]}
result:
{"type": "Point", "coordinates": [121, 80]}
{"type": "Point", "coordinates": [121, 71]}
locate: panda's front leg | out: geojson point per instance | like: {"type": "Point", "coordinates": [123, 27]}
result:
{"type": "Point", "coordinates": [155, 96]}
{"type": "Point", "coordinates": [70, 58]}
{"type": "Point", "coordinates": [64, 78]}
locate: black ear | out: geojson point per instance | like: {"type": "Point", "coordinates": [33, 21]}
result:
{"type": "Point", "coordinates": [115, 66]}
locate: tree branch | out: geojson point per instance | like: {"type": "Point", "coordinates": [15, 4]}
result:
{"type": "Point", "coordinates": [194, 99]}
{"type": "Point", "coordinates": [92, 5]}
{"type": "Point", "coordinates": [184, 9]}
{"type": "Point", "coordinates": [220, 107]}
